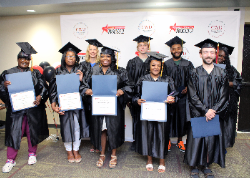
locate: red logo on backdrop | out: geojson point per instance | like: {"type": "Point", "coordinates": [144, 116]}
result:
{"type": "Point", "coordinates": [113, 29]}
{"type": "Point", "coordinates": [181, 29]}
{"type": "Point", "coordinates": [81, 56]}
{"type": "Point", "coordinates": [216, 28]}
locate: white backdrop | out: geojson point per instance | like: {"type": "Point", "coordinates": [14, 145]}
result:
{"type": "Point", "coordinates": [117, 30]}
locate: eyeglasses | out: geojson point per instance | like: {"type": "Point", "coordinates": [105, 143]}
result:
{"type": "Point", "coordinates": [70, 57]}
{"type": "Point", "coordinates": [24, 59]}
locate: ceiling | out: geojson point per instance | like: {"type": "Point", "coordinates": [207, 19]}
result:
{"type": "Point", "coordinates": [20, 7]}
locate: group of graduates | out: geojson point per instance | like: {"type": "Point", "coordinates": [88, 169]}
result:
{"type": "Point", "coordinates": [193, 92]}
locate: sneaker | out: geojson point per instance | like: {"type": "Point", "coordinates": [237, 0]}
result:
{"type": "Point", "coordinates": [32, 159]}
{"type": "Point", "coordinates": [169, 145]}
{"type": "Point", "coordinates": [181, 146]}
{"type": "Point", "coordinates": [10, 163]}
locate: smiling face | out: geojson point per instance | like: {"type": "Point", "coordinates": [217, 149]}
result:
{"type": "Point", "coordinates": [142, 47]}
{"type": "Point", "coordinates": [208, 55]}
{"type": "Point", "coordinates": [155, 67]}
{"type": "Point", "coordinates": [70, 59]}
{"type": "Point", "coordinates": [176, 51]}
{"type": "Point", "coordinates": [92, 51]}
{"type": "Point", "coordinates": [23, 63]}
{"type": "Point", "coordinates": [105, 60]}
{"type": "Point", "coordinates": [221, 57]}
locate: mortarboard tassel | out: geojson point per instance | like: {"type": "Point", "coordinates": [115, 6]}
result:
{"type": "Point", "coordinates": [162, 67]}
{"type": "Point", "coordinates": [31, 68]}
{"type": "Point", "coordinates": [217, 54]}
{"type": "Point", "coordinates": [117, 60]}
{"type": "Point", "coordinates": [149, 44]}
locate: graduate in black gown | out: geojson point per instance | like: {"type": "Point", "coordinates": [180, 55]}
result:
{"type": "Point", "coordinates": [32, 121]}
{"type": "Point", "coordinates": [152, 137]}
{"type": "Point", "coordinates": [136, 68]}
{"type": "Point", "coordinates": [179, 70]}
{"type": "Point", "coordinates": [73, 122]}
{"type": "Point", "coordinates": [106, 125]}
{"type": "Point", "coordinates": [234, 93]}
{"type": "Point", "coordinates": [208, 96]}
{"type": "Point", "coordinates": [92, 58]}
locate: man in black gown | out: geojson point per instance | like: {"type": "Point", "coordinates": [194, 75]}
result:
{"type": "Point", "coordinates": [179, 70]}
{"type": "Point", "coordinates": [208, 96]}
{"type": "Point", "coordinates": [136, 68]}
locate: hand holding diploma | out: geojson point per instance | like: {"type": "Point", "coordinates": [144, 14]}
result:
{"type": "Point", "coordinates": [6, 83]}
{"type": "Point", "coordinates": [89, 92]}
{"type": "Point", "coordinates": [170, 100]}
{"type": "Point", "coordinates": [210, 115]}
{"type": "Point", "coordinates": [80, 75]}
{"type": "Point", "coordinates": [57, 109]}
{"type": "Point", "coordinates": [119, 93]}
{"type": "Point", "coordinates": [140, 101]}
{"type": "Point", "coordinates": [38, 100]}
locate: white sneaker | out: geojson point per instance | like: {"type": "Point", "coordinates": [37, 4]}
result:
{"type": "Point", "coordinates": [32, 160]}
{"type": "Point", "coordinates": [8, 166]}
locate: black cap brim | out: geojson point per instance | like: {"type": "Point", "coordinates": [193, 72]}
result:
{"type": "Point", "coordinates": [156, 56]}
{"type": "Point", "coordinates": [229, 49]}
{"type": "Point", "coordinates": [94, 42]}
{"type": "Point", "coordinates": [175, 40]}
{"type": "Point", "coordinates": [108, 50]}
{"type": "Point", "coordinates": [142, 38]}
{"type": "Point", "coordinates": [207, 43]}
{"type": "Point", "coordinates": [69, 46]}
{"type": "Point", "coordinates": [26, 48]}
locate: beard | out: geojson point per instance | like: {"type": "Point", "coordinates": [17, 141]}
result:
{"type": "Point", "coordinates": [177, 57]}
{"type": "Point", "coordinates": [205, 62]}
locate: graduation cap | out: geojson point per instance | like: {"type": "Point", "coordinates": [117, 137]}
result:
{"type": "Point", "coordinates": [207, 43]}
{"type": "Point", "coordinates": [69, 46]}
{"type": "Point", "coordinates": [108, 50]}
{"type": "Point", "coordinates": [175, 40]}
{"type": "Point", "coordinates": [228, 49]}
{"type": "Point", "coordinates": [26, 50]}
{"type": "Point", "coordinates": [94, 42]}
{"type": "Point", "coordinates": [142, 38]}
{"type": "Point", "coordinates": [157, 56]}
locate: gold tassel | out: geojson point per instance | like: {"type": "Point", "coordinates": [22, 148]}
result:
{"type": "Point", "coordinates": [31, 68]}
{"type": "Point", "coordinates": [117, 60]}
{"type": "Point", "coordinates": [162, 67]}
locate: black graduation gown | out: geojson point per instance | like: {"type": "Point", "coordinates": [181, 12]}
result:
{"type": "Point", "coordinates": [87, 106]}
{"type": "Point", "coordinates": [114, 124]}
{"type": "Point", "coordinates": [136, 68]}
{"type": "Point", "coordinates": [230, 122]}
{"type": "Point", "coordinates": [67, 120]}
{"type": "Point", "coordinates": [152, 137]}
{"type": "Point", "coordinates": [180, 74]}
{"type": "Point", "coordinates": [36, 116]}
{"type": "Point", "coordinates": [206, 91]}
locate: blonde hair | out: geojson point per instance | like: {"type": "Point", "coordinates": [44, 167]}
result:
{"type": "Point", "coordinates": [87, 58]}
{"type": "Point", "coordinates": [144, 42]}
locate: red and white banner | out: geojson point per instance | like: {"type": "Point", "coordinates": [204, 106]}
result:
{"type": "Point", "coordinates": [117, 30]}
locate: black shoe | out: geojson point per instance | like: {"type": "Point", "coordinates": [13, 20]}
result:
{"type": "Point", "coordinates": [132, 148]}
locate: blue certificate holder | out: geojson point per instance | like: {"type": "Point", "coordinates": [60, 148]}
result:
{"type": "Point", "coordinates": [202, 128]}
{"type": "Point", "coordinates": [104, 99]}
{"type": "Point", "coordinates": [154, 92]}
{"type": "Point", "coordinates": [21, 83]}
{"type": "Point", "coordinates": [223, 66]}
{"type": "Point", "coordinates": [68, 92]}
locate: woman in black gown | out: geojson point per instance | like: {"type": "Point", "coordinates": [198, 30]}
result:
{"type": "Point", "coordinates": [152, 136]}
{"type": "Point", "coordinates": [111, 126]}
{"type": "Point", "coordinates": [73, 122]}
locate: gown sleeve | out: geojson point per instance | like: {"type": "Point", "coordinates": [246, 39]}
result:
{"type": "Point", "coordinates": [137, 92]}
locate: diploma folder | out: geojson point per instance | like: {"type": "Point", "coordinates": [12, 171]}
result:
{"type": "Point", "coordinates": [20, 82]}
{"type": "Point", "coordinates": [202, 128]}
{"type": "Point", "coordinates": [104, 87]}
{"type": "Point", "coordinates": [66, 84]}
{"type": "Point", "coordinates": [154, 92]}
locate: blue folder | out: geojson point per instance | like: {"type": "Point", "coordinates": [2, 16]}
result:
{"type": "Point", "coordinates": [202, 128]}
{"type": "Point", "coordinates": [154, 92]}
{"type": "Point", "coordinates": [68, 83]}
{"type": "Point", "coordinates": [105, 86]}
{"type": "Point", "coordinates": [20, 82]}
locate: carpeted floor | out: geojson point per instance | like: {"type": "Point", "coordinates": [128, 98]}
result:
{"type": "Point", "coordinates": [52, 162]}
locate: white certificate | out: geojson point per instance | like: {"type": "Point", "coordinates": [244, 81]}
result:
{"type": "Point", "coordinates": [70, 101]}
{"type": "Point", "coordinates": [154, 111]}
{"type": "Point", "coordinates": [103, 105]}
{"type": "Point", "coordinates": [23, 100]}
